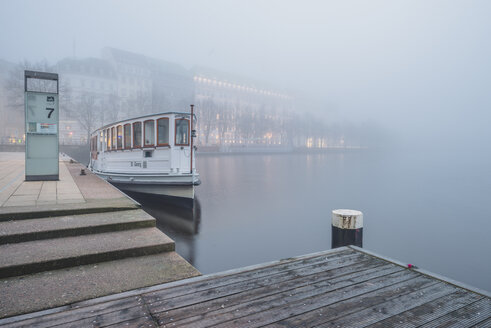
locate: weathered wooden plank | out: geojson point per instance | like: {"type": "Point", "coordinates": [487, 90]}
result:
{"type": "Point", "coordinates": [466, 316]}
{"type": "Point", "coordinates": [142, 322]}
{"type": "Point", "coordinates": [391, 307]}
{"type": "Point", "coordinates": [265, 311]}
{"type": "Point", "coordinates": [230, 289]}
{"type": "Point", "coordinates": [167, 293]}
{"type": "Point", "coordinates": [483, 324]}
{"type": "Point", "coordinates": [77, 314]}
{"type": "Point", "coordinates": [188, 281]}
{"type": "Point", "coordinates": [429, 311]}
{"type": "Point", "coordinates": [354, 304]}
{"type": "Point", "coordinates": [245, 275]}
{"type": "Point", "coordinates": [334, 279]}
{"type": "Point", "coordinates": [279, 286]}
{"type": "Point", "coordinates": [108, 319]}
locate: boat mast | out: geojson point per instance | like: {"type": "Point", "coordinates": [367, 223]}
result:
{"type": "Point", "coordinates": [192, 137]}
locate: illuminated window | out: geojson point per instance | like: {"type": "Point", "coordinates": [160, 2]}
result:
{"type": "Point", "coordinates": [101, 141]}
{"type": "Point", "coordinates": [163, 131]}
{"type": "Point", "coordinates": [149, 132]}
{"type": "Point", "coordinates": [182, 132]}
{"type": "Point", "coordinates": [120, 137]}
{"type": "Point", "coordinates": [113, 134]}
{"type": "Point", "coordinates": [109, 139]}
{"type": "Point", "coordinates": [137, 135]}
{"type": "Point", "coordinates": [127, 136]}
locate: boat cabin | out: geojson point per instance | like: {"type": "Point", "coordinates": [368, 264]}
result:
{"type": "Point", "coordinates": [151, 144]}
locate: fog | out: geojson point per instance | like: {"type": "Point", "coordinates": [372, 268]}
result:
{"type": "Point", "coordinates": [418, 70]}
{"type": "Point", "coordinates": [379, 106]}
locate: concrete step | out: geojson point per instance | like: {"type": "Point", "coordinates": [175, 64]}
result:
{"type": "Point", "coordinates": [8, 213]}
{"type": "Point", "coordinates": [50, 254]}
{"type": "Point", "coordinates": [49, 289]}
{"type": "Point", "coordinates": [17, 231]}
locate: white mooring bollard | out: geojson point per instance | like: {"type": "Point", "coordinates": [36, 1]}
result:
{"type": "Point", "coordinates": [346, 228]}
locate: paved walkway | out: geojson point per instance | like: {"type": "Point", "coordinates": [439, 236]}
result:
{"type": "Point", "coordinates": [17, 192]}
{"type": "Point", "coordinates": [11, 174]}
{"type": "Point", "coordinates": [72, 194]}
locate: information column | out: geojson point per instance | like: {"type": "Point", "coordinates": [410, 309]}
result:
{"type": "Point", "coordinates": [42, 122]}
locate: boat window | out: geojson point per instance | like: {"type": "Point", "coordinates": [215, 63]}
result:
{"type": "Point", "coordinates": [108, 138]}
{"type": "Point", "coordinates": [163, 131]}
{"type": "Point", "coordinates": [182, 132]}
{"type": "Point", "coordinates": [113, 134]}
{"type": "Point", "coordinates": [92, 150]}
{"type": "Point", "coordinates": [137, 135]}
{"type": "Point", "coordinates": [94, 147]}
{"type": "Point", "coordinates": [127, 136]}
{"type": "Point", "coordinates": [120, 137]}
{"type": "Point", "coordinates": [149, 132]}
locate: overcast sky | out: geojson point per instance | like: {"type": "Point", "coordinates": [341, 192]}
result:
{"type": "Point", "coordinates": [417, 66]}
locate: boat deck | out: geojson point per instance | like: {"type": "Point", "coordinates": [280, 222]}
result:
{"type": "Point", "coordinates": [345, 287]}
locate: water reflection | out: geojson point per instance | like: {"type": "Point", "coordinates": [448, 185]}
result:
{"type": "Point", "coordinates": [260, 208]}
{"type": "Point", "coordinates": [179, 222]}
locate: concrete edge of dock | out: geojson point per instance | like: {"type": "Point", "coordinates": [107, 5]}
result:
{"type": "Point", "coordinates": [24, 213]}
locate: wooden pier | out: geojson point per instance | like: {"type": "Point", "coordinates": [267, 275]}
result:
{"type": "Point", "coordinates": [345, 287]}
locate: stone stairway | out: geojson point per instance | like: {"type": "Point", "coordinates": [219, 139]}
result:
{"type": "Point", "coordinates": [54, 261]}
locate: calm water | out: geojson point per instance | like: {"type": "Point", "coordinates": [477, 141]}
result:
{"type": "Point", "coordinates": [429, 209]}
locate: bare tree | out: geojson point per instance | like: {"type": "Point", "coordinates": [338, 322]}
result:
{"type": "Point", "coordinates": [86, 111]}
{"type": "Point", "coordinates": [14, 84]}
{"type": "Point", "coordinates": [140, 104]}
{"type": "Point", "coordinates": [14, 88]}
{"type": "Point", "coordinates": [206, 112]}
{"type": "Point", "coordinates": [110, 108]}
{"type": "Point", "coordinates": [223, 120]}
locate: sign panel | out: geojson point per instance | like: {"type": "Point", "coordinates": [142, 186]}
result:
{"type": "Point", "coordinates": [42, 112]}
{"type": "Point", "coordinates": [42, 128]}
{"type": "Point", "coordinates": [42, 120]}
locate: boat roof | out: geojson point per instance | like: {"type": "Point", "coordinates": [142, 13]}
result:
{"type": "Point", "coordinates": [143, 116]}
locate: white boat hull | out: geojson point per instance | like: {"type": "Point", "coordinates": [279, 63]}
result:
{"type": "Point", "coordinates": [181, 186]}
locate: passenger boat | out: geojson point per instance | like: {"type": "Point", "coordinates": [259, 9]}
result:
{"type": "Point", "coordinates": [152, 154]}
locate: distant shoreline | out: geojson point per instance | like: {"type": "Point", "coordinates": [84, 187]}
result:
{"type": "Point", "coordinates": [208, 151]}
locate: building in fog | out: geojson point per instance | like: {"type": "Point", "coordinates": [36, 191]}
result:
{"type": "Point", "coordinates": [172, 88]}
{"type": "Point", "coordinates": [133, 81]}
{"type": "Point", "coordinates": [233, 111]}
{"type": "Point", "coordinates": [149, 85]}
{"type": "Point", "coordinates": [236, 111]}
{"type": "Point", "coordinates": [89, 87]}
{"type": "Point", "coordinates": [117, 86]}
